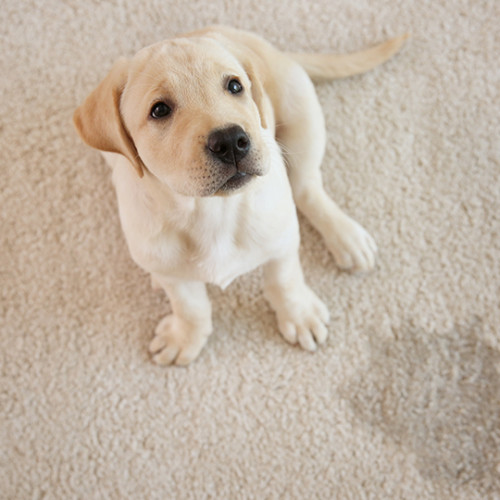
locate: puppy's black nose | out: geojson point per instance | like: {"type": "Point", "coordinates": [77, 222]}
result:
{"type": "Point", "coordinates": [230, 144]}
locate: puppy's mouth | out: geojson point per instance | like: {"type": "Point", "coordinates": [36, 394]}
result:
{"type": "Point", "coordinates": [237, 181]}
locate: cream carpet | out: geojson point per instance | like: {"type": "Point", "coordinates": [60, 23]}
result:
{"type": "Point", "coordinates": [404, 400]}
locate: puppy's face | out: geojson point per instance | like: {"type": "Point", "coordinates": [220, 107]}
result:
{"type": "Point", "coordinates": [189, 107]}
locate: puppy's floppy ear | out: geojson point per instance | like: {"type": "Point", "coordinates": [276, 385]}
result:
{"type": "Point", "coordinates": [253, 66]}
{"type": "Point", "coordinates": [99, 122]}
{"type": "Point", "coordinates": [258, 94]}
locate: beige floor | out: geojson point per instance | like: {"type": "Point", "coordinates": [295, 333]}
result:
{"type": "Point", "coordinates": [402, 402]}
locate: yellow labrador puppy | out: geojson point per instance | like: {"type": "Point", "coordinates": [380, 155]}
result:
{"type": "Point", "coordinates": [214, 138]}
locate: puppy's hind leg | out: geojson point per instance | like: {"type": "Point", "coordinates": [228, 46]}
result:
{"type": "Point", "coordinates": [301, 132]}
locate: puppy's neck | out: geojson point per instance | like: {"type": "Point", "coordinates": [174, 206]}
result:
{"type": "Point", "coordinates": [160, 198]}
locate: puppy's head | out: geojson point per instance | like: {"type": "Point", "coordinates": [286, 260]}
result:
{"type": "Point", "coordinates": [186, 110]}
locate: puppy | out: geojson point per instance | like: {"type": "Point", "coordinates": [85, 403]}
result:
{"type": "Point", "coordinates": [214, 139]}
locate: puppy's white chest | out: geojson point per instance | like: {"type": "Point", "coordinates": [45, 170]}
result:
{"type": "Point", "coordinates": [228, 240]}
{"type": "Point", "coordinates": [220, 259]}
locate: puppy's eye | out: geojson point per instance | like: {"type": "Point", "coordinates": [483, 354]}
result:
{"type": "Point", "coordinates": [234, 86]}
{"type": "Point", "coordinates": [160, 110]}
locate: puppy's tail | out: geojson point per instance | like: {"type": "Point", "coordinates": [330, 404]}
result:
{"type": "Point", "coordinates": [322, 67]}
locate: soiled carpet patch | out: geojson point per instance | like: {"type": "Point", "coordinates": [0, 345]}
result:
{"type": "Point", "coordinates": [439, 396]}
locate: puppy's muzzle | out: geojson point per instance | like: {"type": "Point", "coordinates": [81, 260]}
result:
{"type": "Point", "coordinates": [229, 145]}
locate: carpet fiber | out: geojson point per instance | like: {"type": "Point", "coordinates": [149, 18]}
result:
{"type": "Point", "coordinates": [404, 399]}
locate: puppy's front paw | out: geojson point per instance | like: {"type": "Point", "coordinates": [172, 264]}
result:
{"type": "Point", "coordinates": [352, 246]}
{"type": "Point", "coordinates": [302, 319]}
{"type": "Point", "coordinates": [177, 341]}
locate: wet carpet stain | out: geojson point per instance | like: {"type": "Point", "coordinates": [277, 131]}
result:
{"type": "Point", "coordinates": [438, 396]}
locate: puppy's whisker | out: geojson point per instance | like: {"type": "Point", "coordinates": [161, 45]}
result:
{"type": "Point", "coordinates": [287, 151]}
